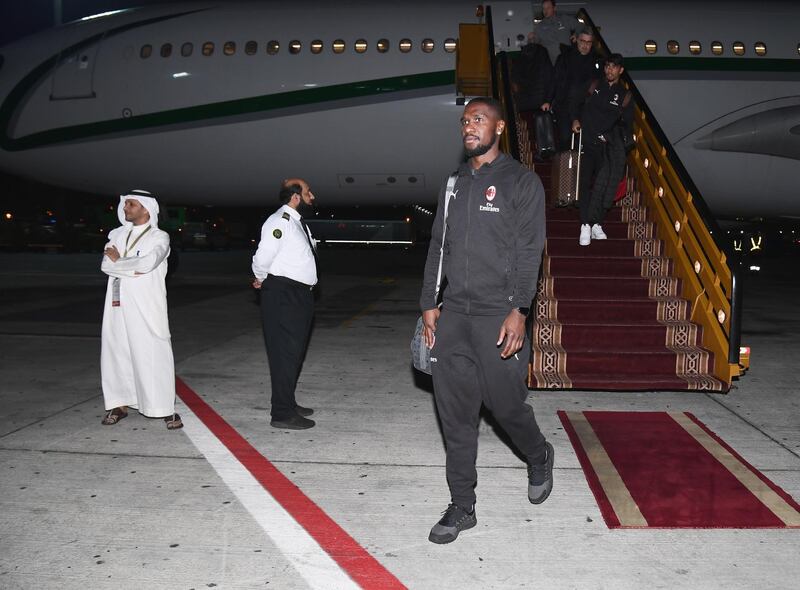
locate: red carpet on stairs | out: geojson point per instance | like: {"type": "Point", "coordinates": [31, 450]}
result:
{"type": "Point", "coordinates": [609, 315]}
{"type": "Point", "coordinates": [668, 470]}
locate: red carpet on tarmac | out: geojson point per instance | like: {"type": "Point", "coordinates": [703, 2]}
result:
{"type": "Point", "coordinates": [668, 470]}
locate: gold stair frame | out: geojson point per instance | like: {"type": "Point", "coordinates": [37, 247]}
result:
{"type": "Point", "coordinates": [702, 267]}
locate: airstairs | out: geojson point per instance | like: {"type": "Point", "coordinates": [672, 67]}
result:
{"type": "Point", "coordinates": [656, 305]}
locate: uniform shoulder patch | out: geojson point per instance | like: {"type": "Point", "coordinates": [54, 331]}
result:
{"type": "Point", "coordinates": [277, 233]}
{"type": "Point", "coordinates": [286, 216]}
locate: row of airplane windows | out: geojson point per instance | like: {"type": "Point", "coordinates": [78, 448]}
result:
{"type": "Point", "coordinates": [717, 48]}
{"type": "Point", "coordinates": [295, 47]}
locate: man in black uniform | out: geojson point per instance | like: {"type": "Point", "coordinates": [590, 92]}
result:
{"type": "Point", "coordinates": [607, 113]}
{"type": "Point", "coordinates": [492, 252]}
{"type": "Point", "coordinates": [574, 71]}
{"type": "Point", "coordinates": [285, 271]}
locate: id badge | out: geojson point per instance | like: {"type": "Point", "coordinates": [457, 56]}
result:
{"type": "Point", "coordinates": [115, 293]}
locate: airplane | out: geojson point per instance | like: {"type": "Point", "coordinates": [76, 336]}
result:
{"type": "Point", "coordinates": [212, 103]}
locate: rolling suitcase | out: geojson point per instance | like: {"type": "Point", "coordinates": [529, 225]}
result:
{"type": "Point", "coordinates": [566, 168]}
{"type": "Point", "coordinates": [545, 134]}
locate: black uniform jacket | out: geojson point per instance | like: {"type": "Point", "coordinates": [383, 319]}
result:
{"type": "Point", "coordinates": [602, 110]}
{"type": "Point", "coordinates": [494, 241]}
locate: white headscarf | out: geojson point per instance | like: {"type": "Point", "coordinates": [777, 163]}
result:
{"type": "Point", "coordinates": [147, 201]}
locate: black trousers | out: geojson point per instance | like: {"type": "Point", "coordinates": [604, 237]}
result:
{"type": "Point", "coordinates": [286, 314]}
{"type": "Point", "coordinates": [591, 204]}
{"type": "Point", "coordinates": [468, 371]}
{"type": "Point", "coordinates": [563, 128]}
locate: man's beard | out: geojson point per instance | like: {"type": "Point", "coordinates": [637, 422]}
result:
{"type": "Point", "coordinates": [305, 209]}
{"type": "Point", "coordinates": [481, 148]}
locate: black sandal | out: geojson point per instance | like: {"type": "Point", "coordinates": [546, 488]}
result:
{"type": "Point", "coordinates": [173, 422]}
{"type": "Point", "coordinates": [113, 416]}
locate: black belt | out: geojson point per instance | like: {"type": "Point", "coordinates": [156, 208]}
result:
{"type": "Point", "coordinates": [288, 281]}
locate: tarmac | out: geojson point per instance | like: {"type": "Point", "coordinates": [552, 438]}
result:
{"type": "Point", "coordinates": [136, 506]}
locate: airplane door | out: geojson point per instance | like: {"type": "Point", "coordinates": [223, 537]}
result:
{"type": "Point", "coordinates": [73, 76]}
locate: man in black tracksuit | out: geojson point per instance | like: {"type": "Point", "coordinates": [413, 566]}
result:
{"type": "Point", "coordinates": [574, 71]}
{"type": "Point", "coordinates": [491, 256]}
{"type": "Point", "coordinates": [606, 114]}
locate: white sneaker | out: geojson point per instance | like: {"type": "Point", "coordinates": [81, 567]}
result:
{"type": "Point", "coordinates": [598, 233]}
{"type": "Point", "coordinates": [586, 235]}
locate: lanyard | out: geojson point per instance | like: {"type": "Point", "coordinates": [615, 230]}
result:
{"type": "Point", "coordinates": [139, 237]}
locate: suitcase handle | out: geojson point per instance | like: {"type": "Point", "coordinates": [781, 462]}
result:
{"type": "Point", "coordinates": [578, 168]}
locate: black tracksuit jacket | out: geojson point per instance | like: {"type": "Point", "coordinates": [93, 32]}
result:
{"type": "Point", "coordinates": [494, 241]}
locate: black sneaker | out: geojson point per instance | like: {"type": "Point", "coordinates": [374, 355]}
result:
{"type": "Point", "coordinates": [454, 520]}
{"type": "Point", "coordinates": [296, 422]}
{"type": "Point", "coordinates": [305, 412]}
{"type": "Point", "coordinates": [540, 477]}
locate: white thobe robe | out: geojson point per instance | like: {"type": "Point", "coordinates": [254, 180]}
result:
{"type": "Point", "coordinates": [136, 359]}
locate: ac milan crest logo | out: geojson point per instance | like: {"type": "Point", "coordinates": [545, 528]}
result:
{"type": "Point", "coordinates": [490, 193]}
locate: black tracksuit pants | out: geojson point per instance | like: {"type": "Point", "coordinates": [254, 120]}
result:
{"type": "Point", "coordinates": [286, 313]}
{"type": "Point", "coordinates": [591, 205]}
{"type": "Point", "coordinates": [468, 371]}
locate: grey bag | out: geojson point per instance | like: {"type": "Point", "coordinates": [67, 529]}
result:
{"type": "Point", "coordinates": [420, 353]}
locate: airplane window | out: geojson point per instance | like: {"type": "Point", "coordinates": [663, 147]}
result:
{"type": "Point", "coordinates": [316, 46]}
{"type": "Point", "coordinates": [405, 45]}
{"type": "Point", "coordinates": [186, 49]}
{"type": "Point", "coordinates": [360, 46]}
{"type": "Point", "coordinates": [761, 48]}
{"type": "Point", "coordinates": [383, 45]}
{"type": "Point", "coordinates": [450, 45]}
{"type": "Point", "coordinates": [229, 48]}
{"type": "Point", "coordinates": [650, 46]}
{"type": "Point", "coordinates": [273, 47]}
{"type": "Point", "coordinates": [166, 50]}
{"type": "Point", "coordinates": [295, 47]}
{"type": "Point", "coordinates": [208, 48]}
{"type": "Point", "coordinates": [251, 47]}
{"type": "Point", "coordinates": [146, 51]}
{"type": "Point", "coordinates": [716, 48]}
{"type": "Point", "coordinates": [427, 45]}
{"type": "Point", "coordinates": [695, 47]}
{"type": "Point", "coordinates": [338, 46]}
{"type": "Point", "coordinates": [738, 48]}
{"type": "Point", "coordinates": [798, 48]}
{"type": "Point", "coordinates": [673, 47]}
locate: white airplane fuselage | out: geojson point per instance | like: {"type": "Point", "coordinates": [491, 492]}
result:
{"type": "Point", "coordinates": [82, 108]}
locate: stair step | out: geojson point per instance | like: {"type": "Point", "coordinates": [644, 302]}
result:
{"type": "Point", "coordinates": [569, 246]}
{"type": "Point", "coordinates": [617, 311]}
{"type": "Point", "coordinates": [629, 382]}
{"type": "Point", "coordinates": [656, 362]}
{"type": "Point", "coordinates": [607, 266]}
{"type": "Point", "coordinates": [602, 288]}
{"type": "Point", "coordinates": [597, 337]}
{"type": "Point", "coordinates": [571, 213]}
{"type": "Point", "coordinates": [563, 228]}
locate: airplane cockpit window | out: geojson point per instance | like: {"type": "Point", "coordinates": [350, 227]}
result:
{"type": "Point", "coordinates": [338, 46]}
{"type": "Point", "coordinates": [695, 47]}
{"type": "Point", "coordinates": [316, 46]}
{"type": "Point", "coordinates": [738, 48]}
{"type": "Point", "coordinates": [428, 45]}
{"type": "Point", "coordinates": [716, 48]}
{"type": "Point", "coordinates": [383, 45]}
{"type": "Point", "coordinates": [360, 45]}
{"type": "Point", "coordinates": [208, 48]}
{"type": "Point", "coordinates": [450, 45]}
{"type": "Point", "coordinates": [251, 47]}
{"type": "Point", "coordinates": [405, 45]}
{"type": "Point", "coordinates": [650, 46]}
{"type": "Point", "coordinates": [166, 50]}
{"type": "Point", "coordinates": [295, 47]}
{"type": "Point", "coordinates": [146, 51]}
{"type": "Point", "coordinates": [229, 48]}
{"type": "Point", "coordinates": [673, 46]}
{"type": "Point", "coordinates": [186, 49]}
{"type": "Point", "coordinates": [273, 47]}
{"type": "Point", "coordinates": [760, 48]}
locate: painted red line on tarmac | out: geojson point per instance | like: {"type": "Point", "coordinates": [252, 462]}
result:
{"type": "Point", "coordinates": [364, 569]}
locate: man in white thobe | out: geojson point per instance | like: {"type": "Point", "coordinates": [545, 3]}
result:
{"type": "Point", "coordinates": [136, 363]}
